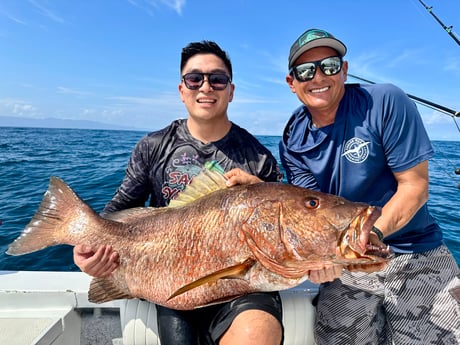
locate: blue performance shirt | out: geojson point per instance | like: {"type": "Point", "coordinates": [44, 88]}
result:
{"type": "Point", "coordinates": [377, 131]}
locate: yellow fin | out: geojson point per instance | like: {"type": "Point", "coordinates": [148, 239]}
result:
{"type": "Point", "coordinates": [233, 272]}
{"type": "Point", "coordinates": [210, 179]}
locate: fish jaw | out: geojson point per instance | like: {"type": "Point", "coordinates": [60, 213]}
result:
{"type": "Point", "coordinates": [350, 247]}
{"type": "Point", "coordinates": [306, 227]}
{"type": "Point", "coordinates": [319, 230]}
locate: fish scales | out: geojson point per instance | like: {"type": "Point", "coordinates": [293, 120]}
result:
{"type": "Point", "coordinates": [204, 249]}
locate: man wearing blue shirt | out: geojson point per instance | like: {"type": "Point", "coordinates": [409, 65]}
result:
{"type": "Point", "coordinates": [367, 143]}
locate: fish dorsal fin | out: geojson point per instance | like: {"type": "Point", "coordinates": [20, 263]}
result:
{"type": "Point", "coordinates": [210, 179]}
{"type": "Point", "coordinates": [233, 272]}
{"type": "Point", "coordinates": [133, 214]}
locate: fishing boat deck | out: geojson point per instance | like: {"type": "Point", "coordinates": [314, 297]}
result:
{"type": "Point", "coordinates": [39, 308]}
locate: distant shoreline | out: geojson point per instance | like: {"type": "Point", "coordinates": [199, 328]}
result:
{"type": "Point", "coordinates": [54, 123]}
{"type": "Point", "coordinates": [51, 122]}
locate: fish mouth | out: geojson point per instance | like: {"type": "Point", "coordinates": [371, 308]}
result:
{"type": "Point", "coordinates": [351, 249]}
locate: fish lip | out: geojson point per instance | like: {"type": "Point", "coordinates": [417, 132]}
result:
{"type": "Point", "coordinates": [349, 245]}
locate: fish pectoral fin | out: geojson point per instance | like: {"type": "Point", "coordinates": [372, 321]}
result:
{"type": "Point", "coordinates": [233, 272]}
{"type": "Point", "coordinates": [104, 290]}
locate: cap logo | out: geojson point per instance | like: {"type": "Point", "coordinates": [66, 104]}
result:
{"type": "Point", "coordinates": [311, 36]}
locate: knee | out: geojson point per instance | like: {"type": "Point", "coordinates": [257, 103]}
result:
{"type": "Point", "coordinates": [262, 332]}
{"type": "Point", "coordinates": [253, 327]}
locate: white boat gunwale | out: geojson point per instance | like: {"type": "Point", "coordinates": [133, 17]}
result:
{"type": "Point", "coordinates": [43, 307]}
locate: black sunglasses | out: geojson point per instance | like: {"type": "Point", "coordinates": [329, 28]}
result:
{"type": "Point", "coordinates": [217, 81]}
{"type": "Point", "coordinates": [306, 71]}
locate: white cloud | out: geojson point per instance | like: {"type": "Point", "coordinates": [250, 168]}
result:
{"type": "Point", "coordinates": [165, 99]}
{"type": "Point", "coordinates": [150, 6]}
{"type": "Point", "coordinates": [434, 117]}
{"type": "Point", "coordinates": [176, 5]}
{"type": "Point", "coordinates": [255, 100]}
{"type": "Point", "coordinates": [24, 109]}
{"type": "Point", "coordinates": [13, 18]}
{"type": "Point", "coordinates": [16, 107]}
{"type": "Point", "coordinates": [66, 90]}
{"type": "Point", "coordinates": [46, 11]}
{"type": "Point", "coordinates": [452, 65]}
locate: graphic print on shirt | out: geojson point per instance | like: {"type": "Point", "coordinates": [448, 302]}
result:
{"type": "Point", "coordinates": [180, 174]}
{"type": "Point", "coordinates": [356, 150]}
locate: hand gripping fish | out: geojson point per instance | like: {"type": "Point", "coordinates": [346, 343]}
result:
{"type": "Point", "coordinates": [212, 243]}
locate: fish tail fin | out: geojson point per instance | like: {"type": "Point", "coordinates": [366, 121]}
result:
{"type": "Point", "coordinates": [61, 218]}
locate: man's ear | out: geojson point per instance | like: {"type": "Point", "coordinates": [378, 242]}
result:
{"type": "Point", "coordinates": [290, 82]}
{"type": "Point", "coordinates": [231, 92]}
{"type": "Point", "coordinates": [180, 88]}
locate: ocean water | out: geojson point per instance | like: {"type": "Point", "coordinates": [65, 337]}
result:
{"type": "Point", "coordinates": [92, 162]}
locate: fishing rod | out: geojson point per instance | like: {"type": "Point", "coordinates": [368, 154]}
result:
{"type": "Point", "coordinates": [432, 105]}
{"type": "Point", "coordinates": [448, 29]}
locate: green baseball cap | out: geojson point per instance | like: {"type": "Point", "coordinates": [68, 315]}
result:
{"type": "Point", "coordinates": [313, 38]}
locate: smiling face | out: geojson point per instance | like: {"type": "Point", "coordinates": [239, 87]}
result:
{"type": "Point", "coordinates": [323, 93]}
{"type": "Point", "coordinates": [206, 104]}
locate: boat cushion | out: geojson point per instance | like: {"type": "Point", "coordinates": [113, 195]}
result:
{"type": "Point", "coordinates": [139, 319]}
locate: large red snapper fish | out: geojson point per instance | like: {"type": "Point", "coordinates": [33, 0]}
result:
{"type": "Point", "coordinates": [213, 243]}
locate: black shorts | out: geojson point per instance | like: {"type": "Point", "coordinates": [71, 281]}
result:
{"type": "Point", "coordinates": [207, 325]}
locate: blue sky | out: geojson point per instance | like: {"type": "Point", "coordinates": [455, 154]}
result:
{"type": "Point", "coordinates": [117, 61]}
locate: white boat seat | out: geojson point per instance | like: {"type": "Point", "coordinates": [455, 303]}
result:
{"type": "Point", "coordinates": [139, 318]}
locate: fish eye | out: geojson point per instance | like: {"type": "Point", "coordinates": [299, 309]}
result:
{"type": "Point", "coordinates": [312, 203]}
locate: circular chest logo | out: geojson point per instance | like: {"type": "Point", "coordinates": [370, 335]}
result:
{"type": "Point", "coordinates": [356, 150]}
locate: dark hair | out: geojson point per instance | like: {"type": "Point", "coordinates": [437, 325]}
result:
{"type": "Point", "coordinates": [205, 47]}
